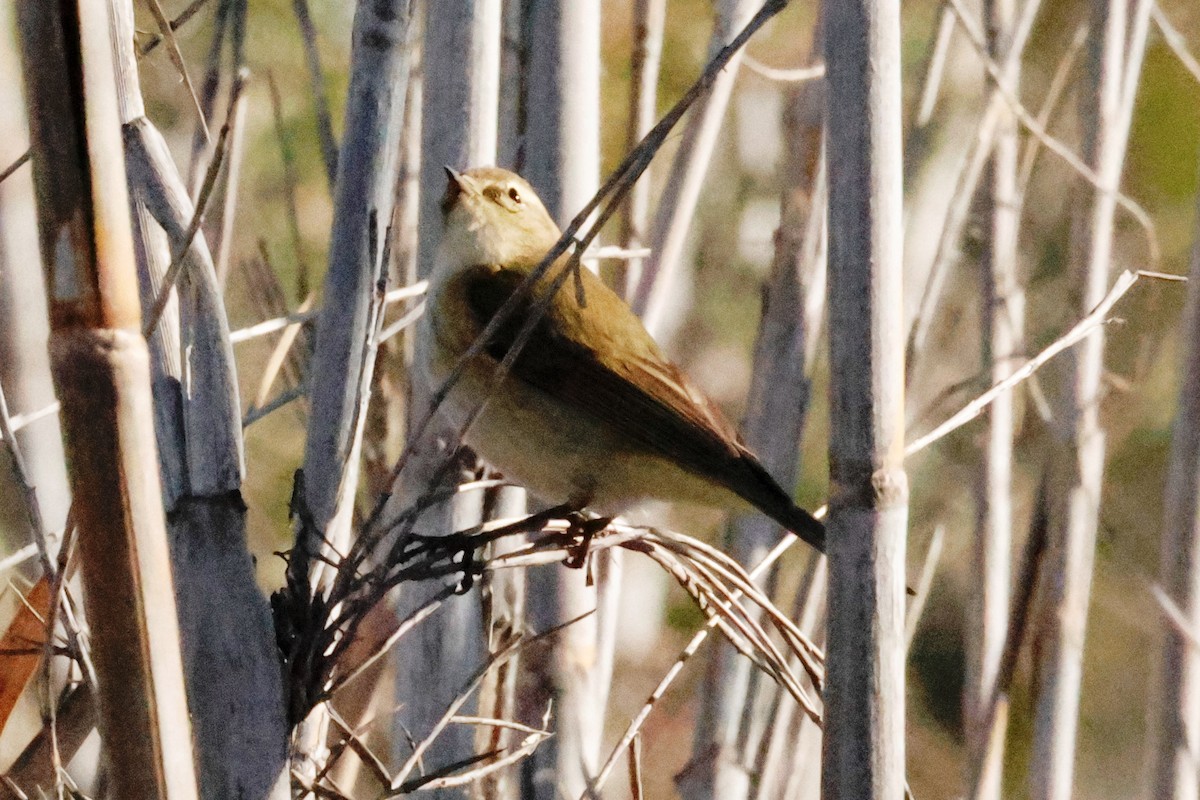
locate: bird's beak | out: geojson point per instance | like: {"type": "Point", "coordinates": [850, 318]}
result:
{"type": "Point", "coordinates": [457, 185]}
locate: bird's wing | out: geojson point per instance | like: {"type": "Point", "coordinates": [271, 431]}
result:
{"type": "Point", "coordinates": [596, 356]}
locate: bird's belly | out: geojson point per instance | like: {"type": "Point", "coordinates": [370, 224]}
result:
{"type": "Point", "coordinates": [562, 455]}
{"type": "Point", "coordinates": [559, 453]}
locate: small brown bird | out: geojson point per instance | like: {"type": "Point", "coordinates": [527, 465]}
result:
{"type": "Point", "coordinates": [592, 413]}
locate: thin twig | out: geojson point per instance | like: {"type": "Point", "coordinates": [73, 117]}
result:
{"type": "Point", "coordinates": [281, 354]}
{"type": "Point", "coordinates": [406, 321]}
{"type": "Point", "coordinates": [932, 556]}
{"type": "Point", "coordinates": [175, 25]}
{"type": "Point", "coordinates": [167, 32]}
{"type": "Point", "coordinates": [18, 421]}
{"type": "Point", "coordinates": [937, 66]}
{"type": "Point", "coordinates": [783, 75]}
{"type": "Point", "coordinates": [1176, 41]}
{"type": "Point", "coordinates": [1054, 145]}
{"type": "Point", "coordinates": [210, 179]}
{"type": "Point", "coordinates": [491, 722]}
{"type": "Point", "coordinates": [233, 177]}
{"type": "Point", "coordinates": [635, 769]}
{"type": "Point", "coordinates": [527, 746]}
{"type": "Point", "coordinates": [329, 146]}
{"type": "Point", "coordinates": [1081, 330]}
{"type": "Point", "coordinates": [279, 323]}
{"type": "Point", "coordinates": [18, 558]}
{"type": "Point", "coordinates": [994, 717]}
{"type": "Point", "coordinates": [1175, 616]}
{"type": "Point", "coordinates": [21, 161]}
{"type": "Point", "coordinates": [253, 415]}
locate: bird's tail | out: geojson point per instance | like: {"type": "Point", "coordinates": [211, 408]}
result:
{"type": "Point", "coordinates": [799, 522]}
{"type": "Point", "coordinates": [751, 481]}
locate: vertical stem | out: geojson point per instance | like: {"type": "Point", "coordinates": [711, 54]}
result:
{"type": "Point", "coordinates": [1002, 315]}
{"type": "Point", "coordinates": [732, 717]}
{"type": "Point", "coordinates": [562, 137]}
{"type": "Point", "coordinates": [506, 601]}
{"type": "Point", "coordinates": [1113, 66]}
{"type": "Point", "coordinates": [233, 180]}
{"type": "Point", "coordinates": [230, 653]}
{"type": "Point", "coordinates": [460, 107]}
{"type": "Point", "coordinates": [562, 157]}
{"type": "Point", "coordinates": [24, 324]}
{"type": "Point", "coordinates": [649, 23]}
{"type": "Point", "coordinates": [682, 192]}
{"type": "Point", "coordinates": [344, 355]}
{"type": "Point", "coordinates": [1175, 719]}
{"type": "Point", "coordinates": [864, 697]}
{"type": "Point", "coordinates": [101, 368]}
{"type": "Point", "coordinates": [365, 191]}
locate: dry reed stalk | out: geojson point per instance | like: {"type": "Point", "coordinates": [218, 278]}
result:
{"type": "Point", "coordinates": [864, 698]}
{"type": "Point", "coordinates": [737, 705]}
{"type": "Point", "coordinates": [201, 144]}
{"type": "Point", "coordinates": [1118, 40]}
{"type": "Point", "coordinates": [1002, 320]}
{"type": "Point", "coordinates": [181, 19]}
{"type": "Point", "coordinates": [1175, 715]}
{"type": "Point", "coordinates": [343, 361]}
{"type": "Point", "coordinates": [935, 70]}
{"type": "Point", "coordinates": [649, 25]}
{"type": "Point", "coordinates": [101, 368]}
{"type": "Point", "coordinates": [233, 179]}
{"type": "Point", "coordinates": [562, 159]}
{"type": "Point", "coordinates": [230, 657]}
{"type": "Point", "coordinates": [677, 206]}
{"type": "Point", "coordinates": [458, 126]}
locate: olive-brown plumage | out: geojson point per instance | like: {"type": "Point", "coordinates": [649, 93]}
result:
{"type": "Point", "coordinates": [592, 412]}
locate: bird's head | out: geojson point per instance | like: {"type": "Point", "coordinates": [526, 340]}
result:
{"type": "Point", "coordinates": [493, 216]}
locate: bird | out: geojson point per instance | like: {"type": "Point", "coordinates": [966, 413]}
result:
{"type": "Point", "coordinates": [591, 414]}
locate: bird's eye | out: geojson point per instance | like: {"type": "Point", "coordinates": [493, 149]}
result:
{"type": "Point", "coordinates": [514, 195]}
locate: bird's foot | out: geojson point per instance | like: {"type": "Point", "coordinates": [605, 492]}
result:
{"type": "Point", "coordinates": [468, 571]}
{"type": "Point", "coordinates": [586, 529]}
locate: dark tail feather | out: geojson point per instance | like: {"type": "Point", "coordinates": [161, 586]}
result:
{"type": "Point", "coordinates": [757, 487]}
{"type": "Point", "coordinates": [799, 522]}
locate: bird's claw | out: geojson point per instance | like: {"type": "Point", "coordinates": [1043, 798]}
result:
{"type": "Point", "coordinates": [586, 529]}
